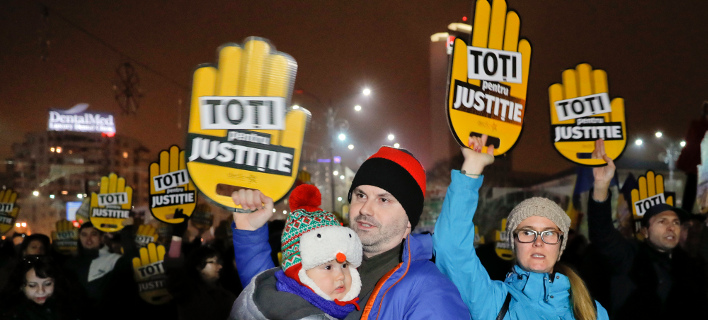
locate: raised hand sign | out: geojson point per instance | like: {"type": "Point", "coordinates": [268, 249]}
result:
{"type": "Point", "coordinates": [488, 80]}
{"type": "Point", "coordinates": [65, 237]}
{"type": "Point", "coordinates": [8, 210]}
{"type": "Point", "coordinates": [241, 131]}
{"type": "Point", "coordinates": [145, 235]}
{"type": "Point", "coordinates": [649, 194]}
{"type": "Point", "coordinates": [171, 190]}
{"type": "Point", "coordinates": [150, 274]}
{"type": "Point", "coordinates": [581, 112]}
{"type": "Point", "coordinates": [112, 204]}
{"type": "Point", "coordinates": [502, 247]}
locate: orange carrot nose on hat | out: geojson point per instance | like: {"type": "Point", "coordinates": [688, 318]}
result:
{"type": "Point", "coordinates": [313, 237]}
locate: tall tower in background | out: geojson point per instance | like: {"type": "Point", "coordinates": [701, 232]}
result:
{"type": "Point", "coordinates": [442, 144]}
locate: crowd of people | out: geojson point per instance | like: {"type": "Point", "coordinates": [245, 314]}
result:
{"type": "Point", "coordinates": [99, 281]}
{"type": "Point", "coordinates": [377, 268]}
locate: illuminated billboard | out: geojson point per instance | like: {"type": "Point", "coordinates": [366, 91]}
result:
{"type": "Point", "coordinates": [78, 120]}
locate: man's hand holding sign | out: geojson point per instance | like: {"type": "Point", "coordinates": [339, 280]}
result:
{"type": "Point", "coordinates": [241, 133]}
{"type": "Point", "coordinates": [489, 79]}
{"type": "Point", "coordinates": [112, 204]}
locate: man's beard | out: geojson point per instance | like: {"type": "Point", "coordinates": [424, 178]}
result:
{"type": "Point", "coordinates": [372, 240]}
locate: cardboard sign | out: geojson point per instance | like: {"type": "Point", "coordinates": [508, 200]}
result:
{"type": "Point", "coordinates": [150, 275]}
{"type": "Point", "coordinates": [145, 235]}
{"type": "Point", "coordinates": [66, 237]}
{"type": "Point", "coordinates": [242, 134]}
{"type": "Point", "coordinates": [581, 112]}
{"type": "Point", "coordinates": [477, 238]}
{"type": "Point", "coordinates": [503, 244]}
{"type": "Point", "coordinates": [488, 79]}
{"type": "Point", "coordinates": [112, 205]}
{"type": "Point", "coordinates": [172, 194]}
{"type": "Point", "coordinates": [650, 193]}
{"type": "Point", "coordinates": [8, 210]}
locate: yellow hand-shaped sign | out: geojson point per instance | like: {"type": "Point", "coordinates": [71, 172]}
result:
{"type": "Point", "coordinates": [146, 234]}
{"type": "Point", "coordinates": [477, 238]}
{"type": "Point", "coordinates": [650, 193]}
{"type": "Point", "coordinates": [172, 195]}
{"type": "Point", "coordinates": [581, 112]}
{"type": "Point", "coordinates": [65, 237]}
{"type": "Point", "coordinates": [240, 132]}
{"type": "Point", "coordinates": [488, 80]}
{"type": "Point", "coordinates": [503, 246]}
{"type": "Point", "coordinates": [8, 210]}
{"type": "Point", "coordinates": [150, 274]}
{"type": "Point", "coordinates": [112, 205]}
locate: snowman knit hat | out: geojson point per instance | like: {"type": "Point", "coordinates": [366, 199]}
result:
{"type": "Point", "coordinates": [312, 237]}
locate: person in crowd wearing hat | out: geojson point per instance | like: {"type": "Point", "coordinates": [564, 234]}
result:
{"type": "Point", "coordinates": [318, 275]}
{"type": "Point", "coordinates": [652, 279]}
{"type": "Point", "coordinates": [398, 280]}
{"type": "Point", "coordinates": [537, 286]}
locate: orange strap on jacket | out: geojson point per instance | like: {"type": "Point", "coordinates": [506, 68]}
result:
{"type": "Point", "coordinates": [379, 285]}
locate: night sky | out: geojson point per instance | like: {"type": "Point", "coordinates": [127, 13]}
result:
{"type": "Point", "coordinates": [655, 55]}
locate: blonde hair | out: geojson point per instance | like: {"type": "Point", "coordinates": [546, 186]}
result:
{"type": "Point", "coordinates": [582, 302]}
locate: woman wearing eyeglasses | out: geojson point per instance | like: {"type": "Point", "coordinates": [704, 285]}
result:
{"type": "Point", "coordinates": [537, 287]}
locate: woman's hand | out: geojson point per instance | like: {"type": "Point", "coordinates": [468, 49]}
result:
{"type": "Point", "coordinates": [475, 160]}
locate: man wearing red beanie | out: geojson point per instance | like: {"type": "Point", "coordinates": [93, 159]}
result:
{"type": "Point", "coordinates": [398, 279]}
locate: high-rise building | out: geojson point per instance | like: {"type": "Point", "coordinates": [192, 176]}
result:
{"type": "Point", "coordinates": [51, 168]}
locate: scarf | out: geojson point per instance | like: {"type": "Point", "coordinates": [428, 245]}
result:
{"type": "Point", "coordinates": [334, 308]}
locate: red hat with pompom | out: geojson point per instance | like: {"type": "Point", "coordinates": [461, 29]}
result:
{"type": "Point", "coordinates": [313, 237]}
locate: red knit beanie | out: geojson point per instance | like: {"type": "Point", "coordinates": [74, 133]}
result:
{"type": "Point", "coordinates": [398, 172]}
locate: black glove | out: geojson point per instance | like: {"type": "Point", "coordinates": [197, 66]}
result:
{"type": "Point", "coordinates": [179, 229]}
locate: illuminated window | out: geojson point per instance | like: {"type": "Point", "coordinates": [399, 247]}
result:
{"type": "Point", "coordinates": [125, 154]}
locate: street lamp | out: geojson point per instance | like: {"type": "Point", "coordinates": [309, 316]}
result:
{"type": "Point", "coordinates": [670, 154]}
{"type": "Point", "coordinates": [334, 126]}
{"type": "Point", "coordinates": [391, 137]}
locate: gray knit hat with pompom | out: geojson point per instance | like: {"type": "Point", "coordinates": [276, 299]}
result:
{"type": "Point", "coordinates": [540, 207]}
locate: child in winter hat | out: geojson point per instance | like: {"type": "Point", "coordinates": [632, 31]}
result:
{"type": "Point", "coordinates": [320, 256]}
